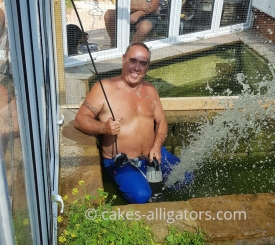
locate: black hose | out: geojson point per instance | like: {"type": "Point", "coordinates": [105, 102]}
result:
{"type": "Point", "coordinates": [97, 75]}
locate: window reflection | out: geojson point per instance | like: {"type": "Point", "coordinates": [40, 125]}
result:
{"type": "Point", "coordinates": [196, 15]}
{"type": "Point", "coordinates": [13, 159]}
{"type": "Point", "coordinates": [10, 140]}
{"type": "Point", "coordinates": [234, 12]}
{"type": "Point", "coordinates": [149, 20]}
{"type": "Point", "coordinates": [97, 31]}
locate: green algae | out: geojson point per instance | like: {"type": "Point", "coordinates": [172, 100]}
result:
{"type": "Point", "coordinates": [212, 72]}
{"type": "Point", "coordinates": [206, 73]}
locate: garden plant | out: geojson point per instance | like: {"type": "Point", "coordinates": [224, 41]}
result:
{"type": "Point", "coordinates": [90, 220]}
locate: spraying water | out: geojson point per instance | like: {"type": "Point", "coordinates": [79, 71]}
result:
{"type": "Point", "coordinates": [251, 112]}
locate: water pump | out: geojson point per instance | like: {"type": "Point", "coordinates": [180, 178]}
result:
{"type": "Point", "coordinates": [154, 177]}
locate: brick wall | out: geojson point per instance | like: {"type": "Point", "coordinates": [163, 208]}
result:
{"type": "Point", "coordinates": [265, 25]}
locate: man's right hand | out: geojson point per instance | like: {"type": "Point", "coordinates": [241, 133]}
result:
{"type": "Point", "coordinates": [111, 127]}
{"type": "Point", "coordinates": [141, 5]}
{"type": "Point", "coordinates": [145, 7]}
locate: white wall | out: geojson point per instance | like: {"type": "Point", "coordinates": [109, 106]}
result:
{"type": "Point", "coordinates": [267, 6]}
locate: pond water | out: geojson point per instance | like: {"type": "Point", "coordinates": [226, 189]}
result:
{"type": "Point", "coordinates": [241, 175]}
{"type": "Point", "coordinates": [211, 72]}
{"type": "Point", "coordinates": [224, 172]}
{"type": "Point", "coordinates": [233, 151]}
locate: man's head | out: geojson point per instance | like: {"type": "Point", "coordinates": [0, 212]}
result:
{"type": "Point", "coordinates": [135, 63]}
{"type": "Point", "coordinates": [138, 44]}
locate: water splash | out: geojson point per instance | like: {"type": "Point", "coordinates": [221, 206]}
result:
{"type": "Point", "coordinates": [251, 112]}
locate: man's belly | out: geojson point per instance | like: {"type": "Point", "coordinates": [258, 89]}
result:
{"type": "Point", "coordinates": [133, 142]}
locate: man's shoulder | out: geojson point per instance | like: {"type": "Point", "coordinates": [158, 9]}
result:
{"type": "Point", "coordinates": [150, 87]}
{"type": "Point", "coordinates": [106, 81]}
{"type": "Point", "coordinates": [111, 79]}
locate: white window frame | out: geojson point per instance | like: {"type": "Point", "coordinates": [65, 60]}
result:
{"type": "Point", "coordinates": [266, 6]}
{"type": "Point", "coordinates": [123, 8]}
{"type": "Point", "coordinates": [173, 36]}
{"type": "Point", "coordinates": [37, 54]}
{"type": "Point", "coordinates": [233, 28]}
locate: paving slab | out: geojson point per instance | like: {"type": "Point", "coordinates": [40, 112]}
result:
{"type": "Point", "coordinates": [236, 217]}
{"type": "Point", "coordinates": [79, 158]}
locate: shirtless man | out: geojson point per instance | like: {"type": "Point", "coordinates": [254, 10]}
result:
{"type": "Point", "coordinates": [139, 128]}
{"type": "Point", "coordinates": [142, 19]}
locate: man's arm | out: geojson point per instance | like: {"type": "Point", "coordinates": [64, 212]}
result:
{"type": "Point", "coordinates": [142, 8]}
{"type": "Point", "coordinates": [143, 5]}
{"type": "Point", "coordinates": [85, 119]}
{"type": "Point", "coordinates": [160, 131]}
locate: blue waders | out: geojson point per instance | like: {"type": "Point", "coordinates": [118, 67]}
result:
{"type": "Point", "coordinates": [132, 180]}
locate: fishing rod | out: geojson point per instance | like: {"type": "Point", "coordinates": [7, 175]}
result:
{"type": "Point", "coordinates": [91, 57]}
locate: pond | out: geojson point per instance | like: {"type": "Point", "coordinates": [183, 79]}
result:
{"type": "Point", "coordinates": [243, 175]}
{"type": "Point", "coordinates": [213, 71]}
{"type": "Point", "coordinates": [231, 151]}
{"type": "Point", "coordinates": [224, 172]}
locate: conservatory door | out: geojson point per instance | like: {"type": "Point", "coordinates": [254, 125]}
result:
{"type": "Point", "coordinates": [29, 144]}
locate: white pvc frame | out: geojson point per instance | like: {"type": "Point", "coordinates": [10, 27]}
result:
{"type": "Point", "coordinates": [172, 39]}
{"type": "Point", "coordinates": [35, 51]}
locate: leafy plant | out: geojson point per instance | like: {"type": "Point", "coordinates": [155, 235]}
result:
{"type": "Point", "coordinates": [86, 222]}
{"type": "Point", "coordinates": [22, 227]}
{"type": "Point", "coordinates": [184, 238]}
{"type": "Point", "coordinates": [68, 3]}
{"type": "Point", "coordinates": [91, 220]}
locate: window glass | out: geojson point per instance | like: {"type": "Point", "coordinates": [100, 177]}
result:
{"type": "Point", "coordinates": [196, 15]}
{"type": "Point", "coordinates": [149, 20]}
{"type": "Point", "coordinates": [98, 18]}
{"type": "Point", "coordinates": [10, 140]}
{"type": "Point", "coordinates": [234, 12]}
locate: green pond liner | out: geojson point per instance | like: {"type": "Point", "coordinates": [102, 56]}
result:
{"type": "Point", "coordinates": [211, 72]}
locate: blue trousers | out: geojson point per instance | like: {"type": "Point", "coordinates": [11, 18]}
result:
{"type": "Point", "coordinates": [132, 183]}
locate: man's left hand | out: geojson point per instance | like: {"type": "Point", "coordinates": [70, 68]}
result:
{"type": "Point", "coordinates": [155, 153]}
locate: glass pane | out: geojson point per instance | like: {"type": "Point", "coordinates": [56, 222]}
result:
{"type": "Point", "coordinates": [149, 20]}
{"type": "Point", "coordinates": [98, 19]}
{"type": "Point", "coordinates": [10, 137]}
{"type": "Point", "coordinates": [196, 15]}
{"type": "Point", "coordinates": [234, 12]}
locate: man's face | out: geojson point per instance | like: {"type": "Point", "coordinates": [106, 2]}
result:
{"type": "Point", "coordinates": [135, 65]}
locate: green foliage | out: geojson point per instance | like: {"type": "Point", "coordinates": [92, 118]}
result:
{"type": "Point", "coordinates": [85, 222]}
{"type": "Point", "coordinates": [68, 4]}
{"type": "Point", "coordinates": [176, 237]}
{"type": "Point", "coordinates": [92, 220]}
{"type": "Point", "coordinates": [22, 227]}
